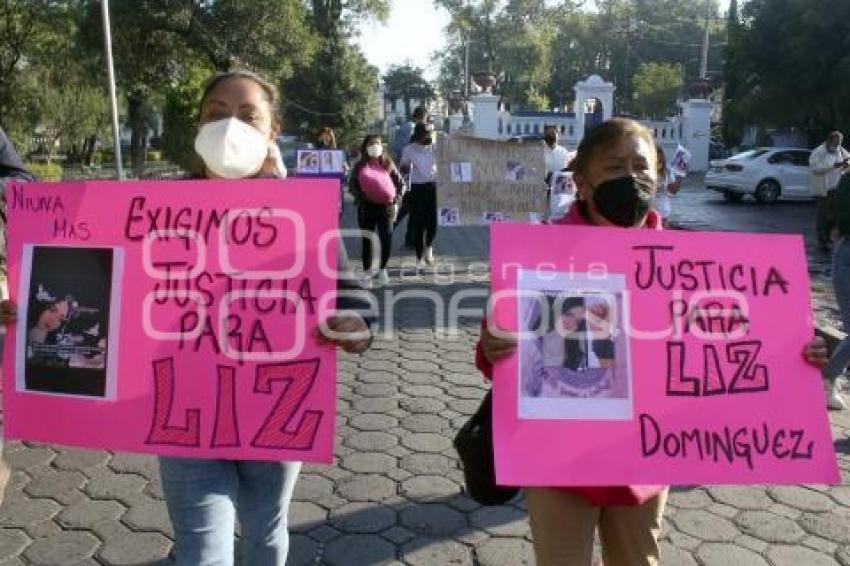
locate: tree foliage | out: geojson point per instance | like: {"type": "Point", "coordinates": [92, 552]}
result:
{"type": "Point", "coordinates": [407, 83]}
{"type": "Point", "coordinates": [163, 52]}
{"type": "Point", "coordinates": [807, 86]}
{"type": "Point", "coordinates": [338, 88]}
{"type": "Point", "coordinates": [540, 49]}
{"type": "Point", "coordinates": [656, 87]}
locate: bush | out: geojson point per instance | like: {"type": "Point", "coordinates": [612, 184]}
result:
{"type": "Point", "coordinates": [46, 171]}
{"type": "Point", "coordinates": [108, 156]}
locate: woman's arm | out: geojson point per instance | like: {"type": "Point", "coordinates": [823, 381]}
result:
{"type": "Point", "coordinates": [398, 180]}
{"type": "Point", "coordinates": [354, 188]}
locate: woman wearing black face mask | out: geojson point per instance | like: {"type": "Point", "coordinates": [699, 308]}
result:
{"type": "Point", "coordinates": [615, 171]}
{"type": "Point", "coordinates": [420, 161]}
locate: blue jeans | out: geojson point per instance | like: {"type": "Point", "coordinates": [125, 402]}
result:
{"type": "Point", "coordinates": [841, 282]}
{"type": "Point", "coordinates": [204, 498]}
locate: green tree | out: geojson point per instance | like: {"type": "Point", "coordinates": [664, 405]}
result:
{"type": "Point", "coordinates": [179, 116]}
{"type": "Point", "coordinates": [733, 78]}
{"type": "Point", "coordinates": [511, 38]}
{"type": "Point", "coordinates": [807, 86]}
{"type": "Point", "coordinates": [38, 51]}
{"type": "Point", "coordinates": [339, 87]}
{"type": "Point", "coordinates": [656, 87]}
{"type": "Point", "coordinates": [69, 115]}
{"type": "Point", "coordinates": [407, 83]}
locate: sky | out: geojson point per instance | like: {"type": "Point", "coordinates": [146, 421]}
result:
{"type": "Point", "coordinates": [413, 33]}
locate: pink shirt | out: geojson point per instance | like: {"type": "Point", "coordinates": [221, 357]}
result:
{"type": "Point", "coordinates": [376, 183]}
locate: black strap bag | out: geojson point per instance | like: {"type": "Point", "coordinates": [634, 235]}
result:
{"type": "Point", "coordinates": [474, 445]}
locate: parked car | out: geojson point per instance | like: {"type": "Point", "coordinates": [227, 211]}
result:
{"type": "Point", "coordinates": [765, 173]}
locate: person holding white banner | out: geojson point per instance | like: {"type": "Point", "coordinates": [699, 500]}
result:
{"type": "Point", "coordinates": [616, 172]}
{"type": "Point", "coordinates": [670, 179]}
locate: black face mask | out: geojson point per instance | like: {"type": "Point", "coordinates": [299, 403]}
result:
{"type": "Point", "coordinates": [550, 141]}
{"type": "Point", "coordinates": [624, 201]}
{"type": "Point", "coordinates": [426, 141]}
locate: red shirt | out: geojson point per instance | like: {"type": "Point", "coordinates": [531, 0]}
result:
{"type": "Point", "coordinates": [628, 495]}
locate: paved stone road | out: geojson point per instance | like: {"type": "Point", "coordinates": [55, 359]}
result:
{"type": "Point", "coordinates": [394, 495]}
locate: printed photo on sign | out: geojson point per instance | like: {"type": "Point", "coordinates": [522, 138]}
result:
{"type": "Point", "coordinates": [574, 359]}
{"type": "Point", "coordinates": [309, 161]}
{"type": "Point", "coordinates": [496, 217]}
{"type": "Point", "coordinates": [449, 217]}
{"type": "Point", "coordinates": [562, 184]}
{"type": "Point", "coordinates": [461, 172]}
{"type": "Point", "coordinates": [514, 171]}
{"type": "Point", "coordinates": [67, 328]}
{"type": "Point", "coordinates": [333, 161]}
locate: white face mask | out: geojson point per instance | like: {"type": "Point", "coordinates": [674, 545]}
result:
{"type": "Point", "coordinates": [231, 148]}
{"type": "Point", "coordinates": [375, 150]}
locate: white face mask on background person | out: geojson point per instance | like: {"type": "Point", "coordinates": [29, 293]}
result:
{"type": "Point", "coordinates": [375, 150]}
{"type": "Point", "coordinates": [231, 148]}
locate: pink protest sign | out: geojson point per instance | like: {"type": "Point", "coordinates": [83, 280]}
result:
{"type": "Point", "coordinates": [650, 357]}
{"type": "Point", "coordinates": [173, 317]}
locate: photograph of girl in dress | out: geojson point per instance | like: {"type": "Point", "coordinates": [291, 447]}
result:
{"type": "Point", "coordinates": [577, 350]}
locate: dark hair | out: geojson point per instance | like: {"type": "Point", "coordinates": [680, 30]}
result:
{"type": "Point", "coordinates": [603, 137]}
{"type": "Point", "coordinates": [384, 160]}
{"type": "Point", "coordinates": [421, 131]}
{"type": "Point", "coordinates": [571, 303]}
{"type": "Point", "coordinates": [269, 90]}
{"type": "Point", "coordinates": [419, 113]}
{"type": "Point", "coordinates": [662, 160]}
{"type": "Point", "coordinates": [328, 133]}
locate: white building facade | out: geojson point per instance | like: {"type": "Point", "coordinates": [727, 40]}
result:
{"type": "Point", "coordinates": [594, 103]}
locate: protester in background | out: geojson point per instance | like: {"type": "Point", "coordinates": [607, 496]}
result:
{"type": "Point", "coordinates": [237, 124]}
{"type": "Point", "coordinates": [670, 178]}
{"type": "Point", "coordinates": [8, 316]}
{"type": "Point", "coordinates": [404, 138]}
{"type": "Point", "coordinates": [420, 161]}
{"type": "Point", "coordinates": [376, 185]}
{"type": "Point", "coordinates": [556, 156]}
{"type": "Point", "coordinates": [616, 172]}
{"type": "Point", "coordinates": [11, 169]}
{"type": "Point", "coordinates": [326, 138]}
{"type": "Point", "coordinates": [841, 282]}
{"type": "Point", "coordinates": [401, 136]}
{"type": "Point", "coordinates": [828, 162]}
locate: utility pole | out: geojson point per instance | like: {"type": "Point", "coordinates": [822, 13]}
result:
{"type": "Point", "coordinates": [466, 52]}
{"type": "Point", "coordinates": [703, 68]}
{"type": "Point", "coordinates": [626, 79]}
{"type": "Point", "coordinates": [113, 99]}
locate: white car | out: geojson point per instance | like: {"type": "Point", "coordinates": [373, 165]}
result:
{"type": "Point", "coordinates": [766, 173]}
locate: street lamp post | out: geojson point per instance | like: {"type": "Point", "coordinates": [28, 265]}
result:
{"type": "Point", "coordinates": [113, 99]}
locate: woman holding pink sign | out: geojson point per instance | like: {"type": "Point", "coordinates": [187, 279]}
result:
{"type": "Point", "coordinates": [616, 173]}
{"type": "Point", "coordinates": [238, 124]}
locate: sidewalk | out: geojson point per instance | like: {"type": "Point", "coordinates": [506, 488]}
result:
{"type": "Point", "coordinates": [394, 494]}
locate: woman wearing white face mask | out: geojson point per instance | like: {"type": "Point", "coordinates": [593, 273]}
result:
{"type": "Point", "coordinates": [376, 185]}
{"type": "Point", "coordinates": [235, 140]}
